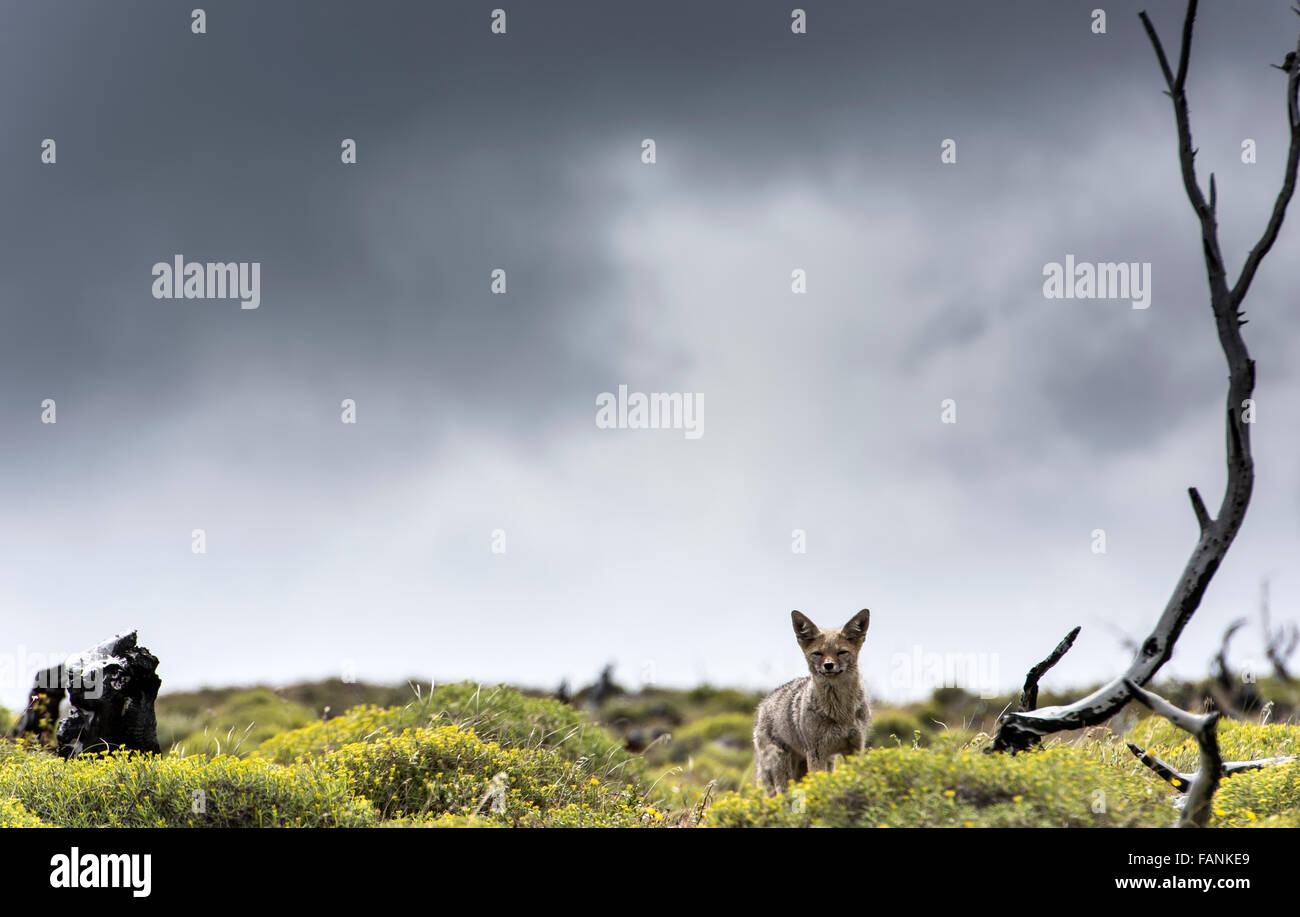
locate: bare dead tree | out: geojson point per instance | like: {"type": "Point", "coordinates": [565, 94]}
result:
{"type": "Point", "coordinates": [1023, 729]}
{"type": "Point", "coordinates": [1222, 671]}
{"type": "Point", "coordinates": [1229, 692]}
{"type": "Point", "coordinates": [1280, 642]}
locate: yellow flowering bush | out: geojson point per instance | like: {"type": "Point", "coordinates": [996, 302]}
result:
{"type": "Point", "coordinates": [360, 724]}
{"type": "Point", "coordinates": [1269, 797]}
{"type": "Point", "coordinates": [1064, 785]}
{"type": "Point", "coordinates": [500, 714]}
{"type": "Point", "coordinates": [572, 815]}
{"type": "Point", "coordinates": [1238, 741]}
{"type": "Point", "coordinates": [448, 770]}
{"type": "Point", "coordinates": [142, 791]}
{"type": "Point", "coordinates": [470, 756]}
{"type": "Point", "coordinates": [444, 769]}
{"type": "Point", "coordinates": [13, 815]}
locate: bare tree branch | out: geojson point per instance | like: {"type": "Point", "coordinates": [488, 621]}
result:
{"type": "Point", "coordinates": [1177, 779]}
{"type": "Point", "coordinates": [1198, 506]}
{"type": "Point", "coordinates": [1183, 782]}
{"type": "Point", "coordinates": [1023, 729]}
{"type": "Point", "coordinates": [1222, 671]}
{"type": "Point", "coordinates": [1187, 154]}
{"type": "Point", "coordinates": [1160, 51]}
{"type": "Point", "coordinates": [1202, 785]}
{"type": "Point", "coordinates": [1185, 52]}
{"type": "Point", "coordinates": [1029, 696]}
{"type": "Point", "coordinates": [1292, 69]}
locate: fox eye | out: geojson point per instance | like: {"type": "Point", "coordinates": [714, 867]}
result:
{"type": "Point", "coordinates": [842, 653]}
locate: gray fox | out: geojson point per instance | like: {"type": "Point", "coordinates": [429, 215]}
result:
{"type": "Point", "coordinates": [805, 723]}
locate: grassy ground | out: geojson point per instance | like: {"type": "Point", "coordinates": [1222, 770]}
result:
{"type": "Point", "coordinates": [333, 754]}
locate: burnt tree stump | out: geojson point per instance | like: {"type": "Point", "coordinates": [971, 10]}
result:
{"type": "Point", "coordinates": [111, 688]}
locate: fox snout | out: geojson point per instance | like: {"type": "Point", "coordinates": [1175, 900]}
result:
{"type": "Point", "coordinates": [830, 665]}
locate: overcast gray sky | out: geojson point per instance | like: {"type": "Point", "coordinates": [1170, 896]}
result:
{"type": "Point", "coordinates": [367, 547]}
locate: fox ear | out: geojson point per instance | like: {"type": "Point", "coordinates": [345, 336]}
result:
{"type": "Point", "coordinates": [856, 629]}
{"type": "Point", "coordinates": [804, 629]}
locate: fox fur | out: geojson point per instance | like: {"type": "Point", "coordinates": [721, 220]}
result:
{"type": "Point", "coordinates": [804, 724]}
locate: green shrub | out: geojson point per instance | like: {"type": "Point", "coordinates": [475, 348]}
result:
{"type": "Point", "coordinates": [715, 751]}
{"type": "Point", "coordinates": [723, 768]}
{"type": "Point", "coordinates": [238, 724]}
{"type": "Point", "coordinates": [13, 815]}
{"type": "Point", "coordinates": [498, 714]}
{"type": "Point", "coordinates": [446, 769]}
{"type": "Point", "coordinates": [1266, 797]}
{"type": "Point", "coordinates": [732, 731]}
{"type": "Point", "coordinates": [427, 773]}
{"type": "Point", "coordinates": [1238, 741]}
{"type": "Point", "coordinates": [893, 728]}
{"type": "Point", "coordinates": [713, 700]}
{"type": "Point", "coordinates": [952, 786]}
{"type": "Point", "coordinates": [633, 710]}
{"type": "Point", "coordinates": [134, 790]}
{"type": "Point", "coordinates": [572, 815]}
{"type": "Point", "coordinates": [1269, 796]}
{"type": "Point", "coordinates": [621, 813]}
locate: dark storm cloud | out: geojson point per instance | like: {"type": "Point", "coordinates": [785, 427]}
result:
{"type": "Point", "coordinates": [520, 152]}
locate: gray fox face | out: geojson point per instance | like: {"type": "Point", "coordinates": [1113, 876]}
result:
{"type": "Point", "coordinates": [831, 653]}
